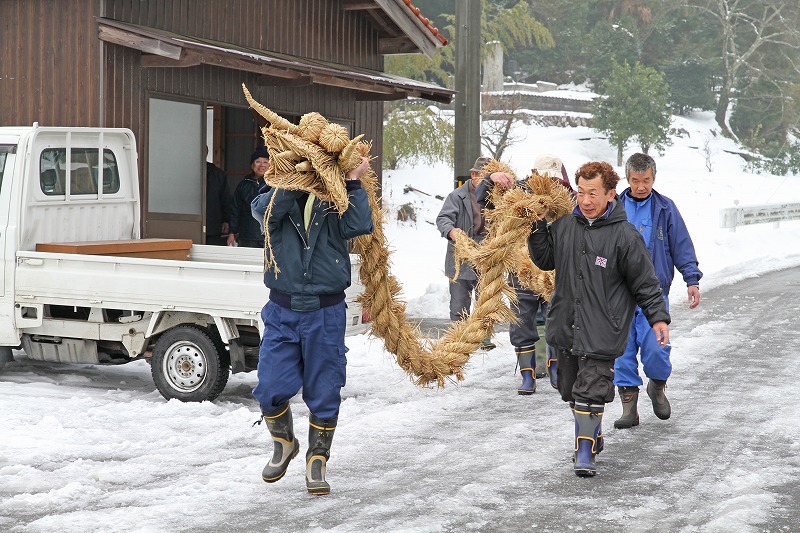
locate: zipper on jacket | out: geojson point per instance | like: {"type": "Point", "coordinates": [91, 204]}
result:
{"type": "Point", "coordinates": [297, 228]}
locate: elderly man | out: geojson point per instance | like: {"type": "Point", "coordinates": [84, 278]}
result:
{"type": "Point", "coordinates": [461, 211]}
{"type": "Point", "coordinates": [603, 271]}
{"type": "Point", "coordinates": [658, 220]}
{"type": "Point", "coordinates": [242, 224]}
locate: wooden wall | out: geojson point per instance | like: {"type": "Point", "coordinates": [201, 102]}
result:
{"type": "Point", "coordinates": [55, 70]}
{"type": "Point", "coordinates": [328, 33]}
{"type": "Point", "coordinates": [317, 29]}
{"type": "Point", "coordinates": [48, 74]}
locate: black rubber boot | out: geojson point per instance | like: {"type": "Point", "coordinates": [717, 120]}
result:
{"type": "Point", "coordinates": [588, 437]}
{"type": "Point", "coordinates": [526, 357]}
{"type": "Point", "coordinates": [320, 437]}
{"type": "Point", "coordinates": [552, 367]}
{"type": "Point", "coordinates": [661, 407]}
{"type": "Point", "coordinates": [630, 413]}
{"type": "Point", "coordinates": [285, 446]}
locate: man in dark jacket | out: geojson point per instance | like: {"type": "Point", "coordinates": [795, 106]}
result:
{"type": "Point", "coordinates": [603, 271]}
{"type": "Point", "coordinates": [658, 220]}
{"type": "Point", "coordinates": [217, 205]}
{"type": "Point", "coordinates": [304, 319]}
{"type": "Point", "coordinates": [242, 223]}
{"type": "Point", "coordinates": [524, 333]}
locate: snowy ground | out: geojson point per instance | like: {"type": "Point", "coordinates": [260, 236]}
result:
{"type": "Point", "coordinates": [96, 449]}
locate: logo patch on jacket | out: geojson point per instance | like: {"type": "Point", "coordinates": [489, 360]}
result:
{"type": "Point", "coordinates": [601, 261]}
{"type": "Point", "coordinates": [660, 234]}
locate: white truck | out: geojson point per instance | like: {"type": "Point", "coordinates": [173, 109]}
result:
{"type": "Point", "coordinates": [79, 285]}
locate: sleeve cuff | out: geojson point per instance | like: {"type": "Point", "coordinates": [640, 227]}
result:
{"type": "Point", "coordinates": [352, 185]}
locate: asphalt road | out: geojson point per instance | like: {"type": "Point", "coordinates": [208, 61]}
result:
{"type": "Point", "coordinates": [473, 456]}
{"type": "Point", "coordinates": [736, 416]}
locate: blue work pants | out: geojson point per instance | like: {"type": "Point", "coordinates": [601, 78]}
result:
{"type": "Point", "coordinates": [655, 359]}
{"type": "Point", "coordinates": [302, 350]}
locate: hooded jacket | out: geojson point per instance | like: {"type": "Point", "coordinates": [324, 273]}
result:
{"type": "Point", "coordinates": [670, 245]}
{"type": "Point", "coordinates": [603, 271]}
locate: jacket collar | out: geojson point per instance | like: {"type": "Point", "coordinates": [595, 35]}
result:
{"type": "Point", "coordinates": [611, 215]}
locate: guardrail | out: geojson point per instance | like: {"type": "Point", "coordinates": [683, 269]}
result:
{"type": "Point", "coordinates": [758, 214]}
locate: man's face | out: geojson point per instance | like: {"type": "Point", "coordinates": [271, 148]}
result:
{"type": "Point", "coordinates": [260, 166]}
{"type": "Point", "coordinates": [592, 197]}
{"type": "Point", "coordinates": [475, 177]}
{"type": "Point", "coordinates": [641, 183]}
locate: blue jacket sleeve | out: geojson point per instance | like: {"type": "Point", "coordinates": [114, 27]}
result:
{"type": "Point", "coordinates": [357, 220]}
{"type": "Point", "coordinates": [682, 247]}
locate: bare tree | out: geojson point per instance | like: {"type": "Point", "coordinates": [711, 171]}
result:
{"type": "Point", "coordinates": [747, 27]}
{"type": "Point", "coordinates": [500, 113]}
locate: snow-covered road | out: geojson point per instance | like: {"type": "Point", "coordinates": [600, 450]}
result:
{"type": "Point", "coordinates": [96, 449]}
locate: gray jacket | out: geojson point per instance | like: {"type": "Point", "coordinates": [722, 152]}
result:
{"type": "Point", "coordinates": [457, 213]}
{"type": "Point", "coordinates": [603, 271]}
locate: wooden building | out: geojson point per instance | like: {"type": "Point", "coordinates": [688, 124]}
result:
{"type": "Point", "coordinates": [172, 71]}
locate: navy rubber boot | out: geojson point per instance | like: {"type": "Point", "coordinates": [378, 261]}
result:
{"type": "Point", "coordinates": [526, 357]}
{"type": "Point", "coordinates": [320, 437]}
{"type": "Point", "coordinates": [588, 438]}
{"type": "Point", "coordinates": [285, 446]}
{"type": "Point", "coordinates": [630, 413]}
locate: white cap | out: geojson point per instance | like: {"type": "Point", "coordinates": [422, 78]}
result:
{"type": "Point", "coordinates": [548, 165]}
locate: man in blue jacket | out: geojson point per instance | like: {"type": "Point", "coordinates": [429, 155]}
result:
{"type": "Point", "coordinates": [660, 223]}
{"type": "Point", "coordinates": [304, 319]}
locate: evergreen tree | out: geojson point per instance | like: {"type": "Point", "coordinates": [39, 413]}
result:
{"type": "Point", "coordinates": [634, 107]}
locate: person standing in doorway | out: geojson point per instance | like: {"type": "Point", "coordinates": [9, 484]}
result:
{"type": "Point", "coordinates": [603, 271]}
{"type": "Point", "coordinates": [659, 222]}
{"type": "Point", "coordinates": [217, 204]}
{"type": "Point", "coordinates": [242, 224]}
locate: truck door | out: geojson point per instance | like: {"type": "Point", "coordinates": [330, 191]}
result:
{"type": "Point", "coordinates": [7, 254]}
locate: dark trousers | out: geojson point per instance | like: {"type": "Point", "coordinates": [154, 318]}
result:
{"type": "Point", "coordinates": [248, 243]}
{"type": "Point", "coordinates": [524, 333]}
{"type": "Point", "coordinates": [461, 291]}
{"type": "Point", "coordinates": [217, 240]}
{"type": "Point", "coordinates": [583, 379]}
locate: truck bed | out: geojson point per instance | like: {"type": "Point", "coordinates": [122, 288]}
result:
{"type": "Point", "coordinates": [223, 284]}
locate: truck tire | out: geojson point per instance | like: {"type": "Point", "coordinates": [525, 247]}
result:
{"type": "Point", "coordinates": [189, 365]}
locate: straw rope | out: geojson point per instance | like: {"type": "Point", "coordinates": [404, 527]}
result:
{"type": "Point", "coordinates": [426, 361]}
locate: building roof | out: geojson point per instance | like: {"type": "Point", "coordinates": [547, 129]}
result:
{"type": "Point", "coordinates": [163, 49]}
{"type": "Point", "coordinates": [402, 28]}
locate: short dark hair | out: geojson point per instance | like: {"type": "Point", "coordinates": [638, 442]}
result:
{"type": "Point", "coordinates": [591, 170]}
{"type": "Point", "coordinates": [639, 162]}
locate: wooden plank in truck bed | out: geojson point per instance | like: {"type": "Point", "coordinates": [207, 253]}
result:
{"type": "Point", "coordinates": [149, 248]}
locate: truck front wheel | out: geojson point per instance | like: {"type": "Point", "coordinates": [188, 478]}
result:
{"type": "Point", "coordinates": [189, 365]}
